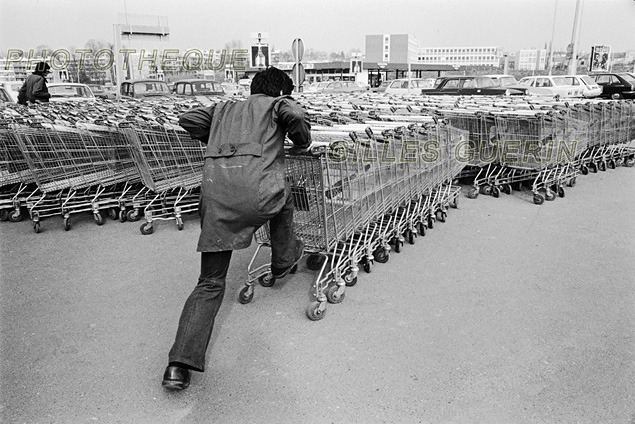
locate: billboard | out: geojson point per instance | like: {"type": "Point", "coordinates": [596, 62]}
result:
{"type": "Point", "coordinates": [259, 56]}
{"type": "Point", "coordinates": [600, 59]}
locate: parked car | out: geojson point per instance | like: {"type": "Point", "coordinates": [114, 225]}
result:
{"type": "Point", "coordinates": [5, 97]}
{"type": "Point", "coordinates": [616, 86]}
{"type": "Point", "coordinates": [12, 88]}
{"type": "Point", "coordinates": [588, 85]}
{"type": "Point", "coordinates": [548, 85]}
{"type": "Point", "coordinates": [317, 87]}
{"type": "Point", "coordinates": [400, 86]}
{"type": "Point", "coordinates": [342, 87]}
{"type": "Point", "coordinates": [98, 91]}
{"type": "Point", "coordinates": [234, 90]}
{"type": "Point", "coordinates": [70, 92]}
{"type": "Point", "coordinates": [198, 88]}
{"type": "Point", "coordinates": [471, 86]}
{"type": "Point", "coordinates": [504, 80]}
{"type": "Point", "coordinates": [144, 89]}
{"type": "Point", "coordinates": [381, 88]}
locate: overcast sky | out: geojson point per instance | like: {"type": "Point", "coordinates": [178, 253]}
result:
{"type": "Point", "coordinates": [326, 25]}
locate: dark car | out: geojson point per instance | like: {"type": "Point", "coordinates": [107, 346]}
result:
{"type": "Point", "coordinates": [473, 86]}
{"type": "Point", "coordinates": [616, 86]}
{"type": "Point", "coordinates": [144, 88]}
{"type": "Point", "coordinates": [198, 87]}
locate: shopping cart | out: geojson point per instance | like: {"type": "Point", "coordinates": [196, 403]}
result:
{"type": "Point", "coordinates": [16, 178]}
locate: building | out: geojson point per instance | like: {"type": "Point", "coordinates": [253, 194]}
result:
{"type": "Point", "coordinates": [531, 60]}
{"type": "Point", "coordinates": [391, 48]}
{"type": "Point", "coordinates": [460, 56]}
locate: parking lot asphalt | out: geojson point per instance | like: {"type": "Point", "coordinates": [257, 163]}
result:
{"type": "Point", "coordinates": [508, 312]}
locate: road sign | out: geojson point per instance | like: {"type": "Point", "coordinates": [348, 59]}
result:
{"type": "Point", "coordinates": [297, 49]}
{"type": "Point", "coordinates": [298, 75]}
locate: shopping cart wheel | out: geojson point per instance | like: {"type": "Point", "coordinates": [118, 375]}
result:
{"type": "Point", "coordinates": [245, 296]}
{"type": "Point", "coordinates": [397, 243]}
{"type": "Point", "coordinates": [380, 255]}
{"type": "Point", "coordinates": [122, 215]}
{"type": "Point", "coordinates": [539, 199]}
{"type": "Point", "coordinates": [333, 294]}
{"type": "Point", "coordinates": [36, 227]}
{"type": "Point", "coordinates": [4, 215]}
{"type": "Point", "coordinates": [16, 216]}
{"type": "Point", "coordinates": [495, 191]}
{"type": "Point", "coordinates": [572, 182]}
{"type": "Point", "coordinates": [506, 188]}
{"type": "Point", "coordinates": [112, 213]}
{"type": "Point", "coordinates": [560, 191]}
{"type": "Point", "coordinates": [349, 279]}
{"type": "Point", "coordinates": [367, 267]}
{"type": "Point", "coordinates": [146, 228]}
{"type": "Point", "coordinates": [421, 229]}
{"type": "Point", "coordinates": [67, 224]}
{"type": "Point", "coordinates": [550, 195]}
{"type": "Point", "coordinates": [98, 218]}
{"type": "Point", "coordinates": [441, 214]}
{"type": "Point", "coordinates": [133, 215]}
{"type": "Point", "coordinates": [430, 222]}
{"type": "Point", "coordinates": [612, 164]}
{"type": "Point", "coordinates": [602, 166]}
{"type": "Point", "coordinates": [472, 194]}
{"type": "Point", "coordinates": [619, 162]}
{"type": "Point", "coordinates": [629, 162]}
{"type": "Point", "coordinates": [487, 190]}
{"type": "Point", "coordinates": [266, 280]}
{"type": "Point", "coordinates": [455, 202]}
{"type": "Point", "coordinates": [314, 262]}
{"type": "Point", "coordinates": [410, 236]}
{"type": "Point", "coordinates": [179, 224]}
{"type": "Point", "coordinates": [315, 311]}
{"type": "Point", "coordinates": [593, 168]}
{"type": "Point", "coordinates": [584, 169]}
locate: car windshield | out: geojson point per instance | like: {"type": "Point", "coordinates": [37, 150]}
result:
{"type": "Point", "coordinates": [588, 80]}
{"type": "Point", "coordinates": [69, 91]}
{"type": "Point", "coordinates": [559, 81]}
{"type": "Point", "coordinates": [201, 87]}
{"type": "Point", "coordinates": [507, 81]}
{"type": "Point", "coordinates": [151, 88]}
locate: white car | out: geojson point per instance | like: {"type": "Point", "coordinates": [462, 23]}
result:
{"type": "Point", "coordinates": [70, 92]}
{"type": "Point", "coordinates": [504, 80]}
{"type": "Point", "coordinates": [12, 87]}
{"type": "Point", "coordinates": [400, 86]}
{"type": "Point", "coordinates": [547, 85]}
{"type": "Point", "coordinates": [588, 85]}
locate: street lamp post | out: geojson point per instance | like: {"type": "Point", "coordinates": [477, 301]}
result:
{"type": "Point", "coordinates": [573, 63]}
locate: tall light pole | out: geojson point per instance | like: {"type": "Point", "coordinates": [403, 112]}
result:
{"type": "Point", "coordinates": [573, 63]}
{"type": "Point", "coordinates": [553, 31]}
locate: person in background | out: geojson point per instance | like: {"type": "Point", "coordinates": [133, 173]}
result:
{"type": "Point", "coordinates": [34, 88]}
{"type": "Point", "coordinates": [244, 187]}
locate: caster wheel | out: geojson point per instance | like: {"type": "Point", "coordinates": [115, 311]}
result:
{"type": "Point", "coordinates": [179, 224]}
{"type": "Point", "coordinates": [430, 222]}
{"type": "Point", "coordinates": [619, 162]}
{"type": "Point", "coordinates": [560, 192]}
{"type": "Point", "coordinates": [593, 168]}
{"type": "Point", "coordinates": [332, 295]}
{"type": "Point", "coordinates": [146, 229]}
{"type": "Point", "coordinates": [112, 213]}
{"type": "Point", "coordinates": [455, 203]}
{"type": "Point", "coordinates": [441, 215]}
{"type": "Point", "coordinates": [122, 216]}
{"type": "Point", "coordinates": [67, 224]}
{"type": "Point", "coordinates": [411, 236]}
{"type": "Point", "coordinates": [584, 169]}
{"type": "Point", "coordinates": [602, 166]}
{"type": "Point", "coordinates": [629, 163]}
{"type": "Point", "coordinates": [539, 199]}
{"type": "Point", "coordinates": [244, 296]}
{"type": "Point", "coordinates": [313, 311]}
{"type": "Point", "coordinates": [487, 190]}
{"type": "Point", "coordinates": [98, 219]}
{"type": "Point", "coordinates": [572, 182]}
{"type": "Point", "coordinates": [422, 229]}
{"type": "Point", "coordinates": [381, 255]}
{"type": "Point", "coordinates": [266, 280]}
{"type": "Point", "coordinates": [36, 227]}
{"type": "Point", "coordinates": [495, 191]}
{"type": "Point", "coordinates": [367, 267]}
{"type": "Point", "coordinates": [397, 244]}
{"type": "Point", "coordinates": [133, 215]}
{"type": "Point", "coordinates": [612, 164]}
{"type": "Point", "coordinates": [16, 216]}
{"type": "Point", "coordinates": [314, 262]}
{"type": "Point", "coordinates": [349, 279]}
{"type": "Point", "coordinates": [472, 194]}
{"type": "Point", "coordinates": [550, 196]}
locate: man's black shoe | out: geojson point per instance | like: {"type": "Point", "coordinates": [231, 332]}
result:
{"type": "Point", "coordinates": [278, 273]}
{"type": "Point", "coordinates": [176, 378]}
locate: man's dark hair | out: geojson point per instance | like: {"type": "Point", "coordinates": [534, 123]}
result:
{"type": "Point", "coordinates": [42, 67]}
{"type": "Point", "coordinates": [271, 82]}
